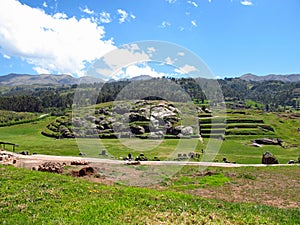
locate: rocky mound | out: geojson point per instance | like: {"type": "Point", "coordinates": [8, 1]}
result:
{"type": "Point", "coordinates": [144, 119]}
{"type": "Point", "coordinates": [269, 158]}
{"type": "Point", "coordinates": [52, 167]}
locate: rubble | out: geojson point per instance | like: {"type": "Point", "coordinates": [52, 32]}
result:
{"type": "Point", "coordinates": [52, 167]}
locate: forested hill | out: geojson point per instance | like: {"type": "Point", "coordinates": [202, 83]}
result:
{"type": "Point", "coordinates": [272, 95]}
{"type": "Point", "coordinates": [267, 95]}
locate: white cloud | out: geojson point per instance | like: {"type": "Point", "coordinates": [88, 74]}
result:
{"type": "Point", "coordinates": [164, 24]}
{"type": "Point", "coordinates": [137, 70]}
{"type": "Point", "coordinates": [193, 3]}
{"type": "Point", "coordinates": [59, 16]}
{"type": "Point", "coordinates": [181, 53]}
{"type": "Point", "coordinates": [132, 16]}
{"type": "Point", "coordinates": [151, 49]}
{"type": "Point", "coordinates": [6, 56]}
{"type": "Point", "coordinates": [171, 1]}
{"type": "Point", "coordinates": [123, 15]}
{"type": "Point", "coordinates": [185, 69]}
{"type": "Point", "coordinates": [181, 28]}
{"type": "Point", "coordinates": [40, 70]}
{"type": "Point", "coordinates": [169, 61]}
{"type": "Point", "coordinates": [193, 22]}
{"type": "Point", "coordinates": [105, 17]}
{"type": "Point", "coordinates": [119, 58]}
{"type": "Point", "coordinates": [45, 4]}
{"type": "Point", "coordinates": [246, 3]}
{"type": "Point", "coordinates": [87, 10]}
{"type": "Point", "coordinates": [209, 1]}
{"type": "Point", "coordinates": [56, 44]}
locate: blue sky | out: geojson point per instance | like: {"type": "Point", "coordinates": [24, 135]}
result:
{"type": "Point", "coordinates": [232, 37]}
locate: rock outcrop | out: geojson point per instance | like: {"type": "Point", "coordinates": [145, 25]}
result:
{"type": "Point", "coordinates": [269, 158]}
{"type": "Point", "coordinates": [143, 118]}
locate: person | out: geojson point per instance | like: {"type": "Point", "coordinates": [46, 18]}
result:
{"type": "Point", "coordinates": [129, 156]}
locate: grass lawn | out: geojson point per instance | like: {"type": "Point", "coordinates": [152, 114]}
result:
{"type": "Point", "coordinates": [240, 151]}
{"type": "Point", "coordinates": [29, 137]}
{"type": "Point", "coordinates": [31, 197]}
{"type": "Point", "coordinates": [274, 186]}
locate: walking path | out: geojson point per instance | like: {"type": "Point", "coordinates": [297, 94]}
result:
{"type": "Point", "coordinates": [37, 159]}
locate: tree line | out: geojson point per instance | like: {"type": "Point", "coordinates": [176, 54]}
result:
{"type": "Point", "coordinates": [272, 95]}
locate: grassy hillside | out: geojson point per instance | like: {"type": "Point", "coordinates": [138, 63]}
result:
{"type": "Point", "coordinates": [30, 197]}
{"type": "Point", "coordinates": [29, 137]}
{"type": "Point", "coordinates": [8, 118]}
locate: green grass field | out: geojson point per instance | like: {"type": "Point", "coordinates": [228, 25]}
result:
{"type": "Point", "coordinates": [31, 197]}
{"type": "Point", "coordinates": [235, 148]}
{"type": "Point", "coordinates": [29, 137]}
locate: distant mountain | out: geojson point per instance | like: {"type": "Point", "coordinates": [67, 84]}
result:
{"type": "Point", "coordinates": [270, 77]}
{"type": "Point", "coordinates": [137, 78]}
{"type": "Point", "coordinates": [44, 79]}
{"type": "Point", "coordinates": [141, 77]}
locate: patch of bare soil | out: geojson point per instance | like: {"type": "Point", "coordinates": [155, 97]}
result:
{"type": "Point", "coordinates": [90, 173]}
{"type": "Point", "coordinates": [278, 190]}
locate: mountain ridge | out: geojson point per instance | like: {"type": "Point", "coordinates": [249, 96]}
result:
{"type": "Point", "coordinates": [14, 79]}
{"type": "Point", "coordinates": [271, 77]}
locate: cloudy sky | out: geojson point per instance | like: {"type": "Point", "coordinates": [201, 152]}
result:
{"type": "Point", "coordinates": [232, 37]}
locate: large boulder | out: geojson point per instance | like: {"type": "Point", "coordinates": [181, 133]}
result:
{"type": "Point", "coordinates": [269, 141]}
{"type": "Point", "coordinates": [269, 158]}
{"type": "Point", "coordinates": [157, 134]}
{"type": "Point", "coordinates": [105, 124]}
{"type": "Point", "coordinates": [154, 122]}
{"type": "Point", "coordinates": [118, 127]}
{"type": "Point", "coordinates": [133, 117]}
{"type": "Point", "coordinates": [91, 118]}
{"type": "Point", "coordinates": [135, 129]}
{"type": "Point", "coordinates": [121, 109]}
{"type": "Point", "coordinates": [162, 112]}
{"type": "Point", "coordinates": [187, 131]}
{"type": "Point", "coordinates": [176, 130]}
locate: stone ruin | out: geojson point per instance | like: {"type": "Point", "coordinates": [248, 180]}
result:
{"type": "Point", "coordinates": [269, 158]}
{"type": "Point", "coordinates": [7, 158]}
{"type": "Point", "coordinates": [79, 162]}
{"type": "Point", "coordinates": [52, 167]}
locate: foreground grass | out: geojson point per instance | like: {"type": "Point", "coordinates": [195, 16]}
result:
{"type": "Point", "coordinates": [30, 197]}
{"type": "Point", "coordinates": [273, 186]}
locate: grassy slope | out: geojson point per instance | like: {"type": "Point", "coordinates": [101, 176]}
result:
{"type": "Point", "coordinates": [275, 186]}
{"type": "Point", "coordinates": [30, 197]}
{"type": "Point", "coordinates": [239, 149]}
{"type": "Point", "coordinates": [29, 137]}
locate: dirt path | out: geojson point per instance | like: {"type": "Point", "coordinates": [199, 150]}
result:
{"type": "Point", "coordinates": [26, 160]}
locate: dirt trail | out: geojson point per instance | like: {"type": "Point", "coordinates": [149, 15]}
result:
{"type": "Point", "coordinates": [28, 161]}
